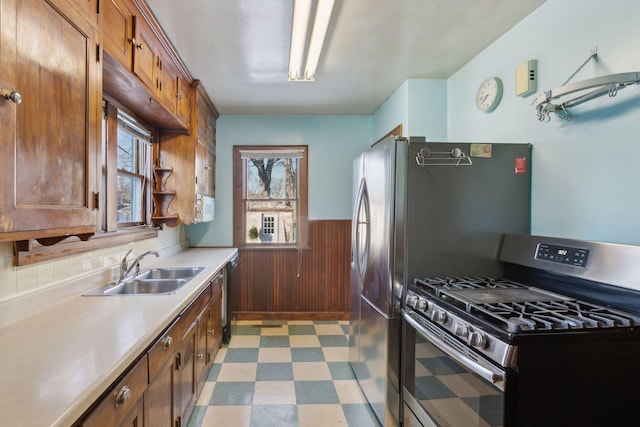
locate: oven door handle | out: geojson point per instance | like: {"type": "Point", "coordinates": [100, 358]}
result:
{"type": "Point", "coordinates": [494, 376]}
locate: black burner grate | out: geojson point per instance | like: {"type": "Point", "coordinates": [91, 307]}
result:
{"type": "Point", "coordinates": [516, 308]}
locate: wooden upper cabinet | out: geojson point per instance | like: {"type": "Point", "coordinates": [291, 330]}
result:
{"type": "Point", "coordinates": [141, 69]}
{"type": "Point", "coordinates": [144, 52]}
{"type": "Point", "coordinates": [206, 119]}
{"type": "Point", "coordinates": [183, 99]}
{"type": "Point", "coordinates": [192, 158]}
{"type": "Point", "coordinates": [49, 55]}
{"type": "Point", "coordinates": [89, 8]}
{"type": "Point", "coordinates": [118, 31]}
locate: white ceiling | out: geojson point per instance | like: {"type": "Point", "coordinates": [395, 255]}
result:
{"type": "Point", "coordinates": [239, 49]}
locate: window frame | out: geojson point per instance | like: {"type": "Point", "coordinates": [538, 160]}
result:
{"type": "Point", "coordinates": [239, 214]}
{"type": "Point", "coordinates": [110, 175]}
{"type": "Point", "coordinates": [143, 164]}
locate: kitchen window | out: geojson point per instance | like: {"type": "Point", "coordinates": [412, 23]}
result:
{"type": "Point", "coordinates": [270, 196]}
{"type": "Point", "coordinates": [134, 167]}
{"type": "Point", "coordinates": [126, 171]}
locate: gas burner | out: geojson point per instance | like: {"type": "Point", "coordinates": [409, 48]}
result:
{"type": "Point", "coordinates": [440, 284]}
{"type": "Point", "coordinates": [516, 308]}
{"type": "Point", "coordinates": [552, 315]}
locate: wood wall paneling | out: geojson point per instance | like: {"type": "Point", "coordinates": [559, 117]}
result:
{"type": "Point", "coordinates": [308, 283]}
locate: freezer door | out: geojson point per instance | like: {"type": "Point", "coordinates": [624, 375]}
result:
{"type": "Point", "coordinates": [457, 216]}
{"type": "Point", "coordinates": [379, 178]}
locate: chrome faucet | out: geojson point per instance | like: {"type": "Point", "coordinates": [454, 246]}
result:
{"type": "Point", "coordinates": [126, 268]}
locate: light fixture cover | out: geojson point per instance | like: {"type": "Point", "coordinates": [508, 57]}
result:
{"type": "Point", "coordinates": [301, 13]}
{"type": "Point", "coordinates": [299, 32]}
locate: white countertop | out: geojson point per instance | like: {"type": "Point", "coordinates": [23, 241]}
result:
{"type": "Point", "coordinates": [57, 361]}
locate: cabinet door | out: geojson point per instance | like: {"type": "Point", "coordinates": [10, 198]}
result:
{"type": "Point", "coordinates": [48, 53]}
{"type": "Point", "coordinates": [187, 374]}
{"type": "Point", "coordinates": [210, 169]}
{"type": "Point", "coordinates": [89, 8]}
{"type": "Point", "coordinates": [118, 31]}
{"type": "Point", "coordinates": [135, 418]}
{"type": "Point", "coordinates": [183, 100]}
{"type": "Point", "coordinates": [160, 407]}
{"type": "Point", "coordinates": [144, 54]}
{"type": "Point", "coordinates": [202, 350]}
{"type": "Point", "coordinates": [160, 402]}
{"type": "Point", "coordinates": [202, 154]}
{"type": "Point", "coordinates": [166, 82]}
{"type": "Point", "coordinates": [214, 328]}
{"type": "Point", "coordinates": [206, 123]}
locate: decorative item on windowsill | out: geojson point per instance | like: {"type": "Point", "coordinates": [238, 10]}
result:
{"type": "Point", "coordinates": [606, 85]}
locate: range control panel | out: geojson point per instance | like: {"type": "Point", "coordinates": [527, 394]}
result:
{"type": "Point", "coordinates": [562, 254]}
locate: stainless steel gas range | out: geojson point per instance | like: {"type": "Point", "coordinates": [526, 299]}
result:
{"type": "Point", "coordinates": [554, 342]}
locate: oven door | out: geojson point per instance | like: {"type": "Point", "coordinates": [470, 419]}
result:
{"type": "Point", "coordinates": [446, 383]}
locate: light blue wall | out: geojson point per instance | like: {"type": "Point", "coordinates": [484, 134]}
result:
{"type": "Point", "coordinates": [585, 174]}
{"type": "Point", "coordinates": [420, 106]}
{"type": "Point", "coordinates": [393, 112]}
{"type": "Point", "coordinates": [334, 141]}
{"type": "Point", "coordinates": [585, 177]}
{"type": "Point", "coordinates": [427, 109]}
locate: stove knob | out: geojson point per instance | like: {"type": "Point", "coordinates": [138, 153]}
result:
{"type": "Point", "coordinates": [462, 330]}
{"type": "Point", "coordinates": [439, 316]}
{"type": "Point", "coordinates": [422, 304]}
{"type": "Point", "coordinates": [411, 301]}
{"type": "Point", "coordinates": [478, 340]}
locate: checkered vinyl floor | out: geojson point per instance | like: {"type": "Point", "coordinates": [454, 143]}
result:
{"type": "Point", "coordinates": [281, 374]}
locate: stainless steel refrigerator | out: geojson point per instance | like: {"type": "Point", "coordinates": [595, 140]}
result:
{"type": "Point", "coordinates": [423, 209]}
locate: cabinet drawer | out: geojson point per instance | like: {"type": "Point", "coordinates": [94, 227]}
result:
{"type": "Point", "coordinates": [164, 348]}
{"type": "Point", "coordinates": [122, 398]}
{"type": "Point", "coordinates": [216, 283]}
{"type": "Point", "coordinates": [190, 314]}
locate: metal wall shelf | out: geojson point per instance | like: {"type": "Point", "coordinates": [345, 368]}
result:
{"type": "Point", "coordinates": [607, 85]}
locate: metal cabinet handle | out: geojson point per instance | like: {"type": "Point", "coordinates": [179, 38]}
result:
{"type": "Point", "coordinates": [200, 355]}
{"type": "Point", "coordinates": [167, 341]}
{"type": "Point", "coordinates": [123, 395]}
{"type": "Point", "coordinates": [211, 331]}
{"type": "Point", "coordinates": [11, 95]}
{"type": "Point", "coordinates": [137, 45]}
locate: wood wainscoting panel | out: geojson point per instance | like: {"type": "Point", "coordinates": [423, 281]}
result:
{"type": "Point", "coordinates": [310, 283]}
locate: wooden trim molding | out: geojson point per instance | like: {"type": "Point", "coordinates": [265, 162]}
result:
{"type": "Point", "coordinates": [30, 251]}
{"type": "Point", "coordinates": [396, 131]}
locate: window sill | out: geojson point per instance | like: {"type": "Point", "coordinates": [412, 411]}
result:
{"type": "Point", "coordinates": [30, 252]}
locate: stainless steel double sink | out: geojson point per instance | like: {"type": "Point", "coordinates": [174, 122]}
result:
{"type": "Point", "coordinates": [156, 281]}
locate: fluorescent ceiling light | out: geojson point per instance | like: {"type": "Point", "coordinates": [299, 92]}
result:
{"type": "Point", "coordinates": [299, 31]}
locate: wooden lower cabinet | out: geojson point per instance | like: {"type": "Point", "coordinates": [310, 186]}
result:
{"type": "Point", "coordinates": [159, 405]}
{"type": "Point", "coordinates": [165, 383]}
{"type": "Point", "coordinates": [187, 390]}
{"type": "Point", "coordinates": [122, 406]}
{"type": "Point", "coordinates": [214, 321]}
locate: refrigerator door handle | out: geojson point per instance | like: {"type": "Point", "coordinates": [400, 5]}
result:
{"type": "Point", "coordinates": [361, 229]}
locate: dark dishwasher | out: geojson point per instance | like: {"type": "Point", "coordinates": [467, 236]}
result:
{"type": "Point", "coordinates": [230, 278]}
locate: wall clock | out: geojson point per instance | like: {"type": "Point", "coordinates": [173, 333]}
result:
{"type": "Point", "coordinates": [489, 94]}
